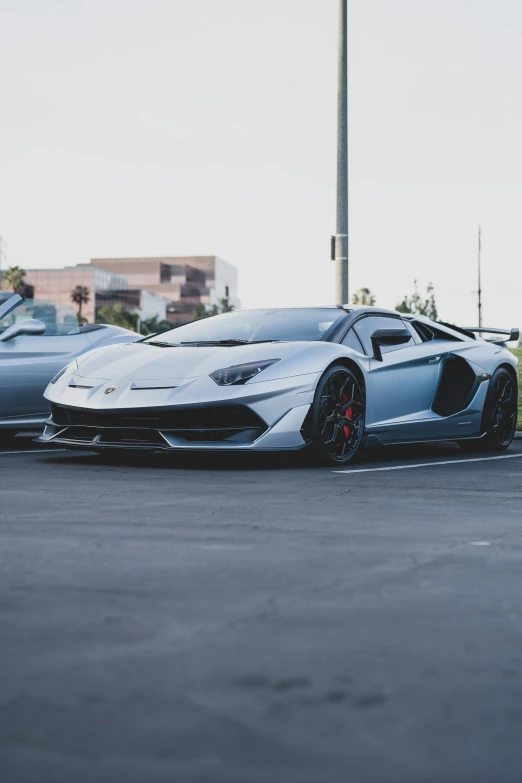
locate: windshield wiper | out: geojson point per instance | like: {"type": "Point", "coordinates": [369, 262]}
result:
{"type": "Point", "coordinates": [161, 344]}
{"type": "Point", "coordinates": [229, 342]}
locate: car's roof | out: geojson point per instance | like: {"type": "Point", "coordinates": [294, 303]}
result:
{"type": "Point", "coordinates": [353, 312]}
{"type": "Point", "coordinates": [345, 308]}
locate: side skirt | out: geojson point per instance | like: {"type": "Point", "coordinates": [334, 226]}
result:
{"type": "Point", "coordinates": [373, 441]}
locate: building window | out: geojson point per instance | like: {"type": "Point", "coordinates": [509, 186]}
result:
{"type": "Point", "coordinates": [227, 291]}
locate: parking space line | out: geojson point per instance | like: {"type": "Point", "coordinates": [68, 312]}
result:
{"type": "Point", "coordinates": [31, 451]}
{"type": "Point", "coordinates": [429, 464]}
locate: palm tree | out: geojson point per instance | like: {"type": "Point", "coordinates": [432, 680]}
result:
{"type": "Point", "coordinates": [80, 295]}
{"type": "Point", "coordinates": [154, 325]}
{"type": "Point", "coordinates": [14, 276]}
{"type": "Point", "coordinates": [117, 315]}
{"type": "Point", "coordinates": [364, 297]}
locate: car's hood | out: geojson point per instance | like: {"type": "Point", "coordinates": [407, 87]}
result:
{"type": "Point", "coordinates": [140, 361]}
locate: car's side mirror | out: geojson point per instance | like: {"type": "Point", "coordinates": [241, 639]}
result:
{"type": "Point", "coordinates": [388, 337]}
{"type": "Point", "coordinates": [31, 326]}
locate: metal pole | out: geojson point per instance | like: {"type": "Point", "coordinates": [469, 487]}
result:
{"type": "Point", "coordinates": [341, 238]}
{"type": "Point", "coordinates": [479, 278]}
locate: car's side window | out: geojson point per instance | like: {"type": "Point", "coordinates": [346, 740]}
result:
{"type": "Point", "coordinates": [352, 341]}
{"type": "Point", "coordinates": [407, 325]}
{"type": "Point", "coordinates": [365, 327]}
{"type": "Point", "coordinates": [429, 332]}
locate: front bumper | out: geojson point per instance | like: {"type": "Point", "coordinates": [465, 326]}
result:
{"type": "Point", "coordinates": [263, 416]}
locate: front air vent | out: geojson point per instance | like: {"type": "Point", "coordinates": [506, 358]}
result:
{"type": "Point", "coordinates": [234, 423]}
{"type": "Point", "coordinates": [179, 418]}
{"type": "Point", "coordinates": [148, 388]}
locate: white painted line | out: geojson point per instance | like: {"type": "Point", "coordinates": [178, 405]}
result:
{"type": "Point", "coordinates": [429, 464]}
{"type": "Point", "coordinates": [32, 451]}
{"type": "Point", "coordinates": [481, 543]}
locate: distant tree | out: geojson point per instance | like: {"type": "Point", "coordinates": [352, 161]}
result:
{"type": "Point", "coordinates": [418, 305]}
{"type": "Point", "coordinates": [154, 325]}
{"type": "Point", "coordinates": [200, 312]}
{"type": "Point", "coordinates": [80, 295]}
{"type": "Point", "coordinates": [14, 277]}
{"type": "Point", "coordinates": [431, 307]}
{"type": "Point", "coordinates": [117, 316]}
{"type": "Point", "coordinates": [223, 306]}
{"type": "Point", "coordinates": [363, 297]}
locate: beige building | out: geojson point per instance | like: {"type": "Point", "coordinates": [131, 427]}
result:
{"type": "Point", "coordinates": [57, 285]}
{"type": "Point", "coordinates": [184, 280]}
{"type": "Point", "coordinates": [168, 287]}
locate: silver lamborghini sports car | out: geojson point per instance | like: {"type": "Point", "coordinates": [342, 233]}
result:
{"type": "Point", "coordinates": [36, 339]}
{"type": "Point", "coordinates": [328, 378]}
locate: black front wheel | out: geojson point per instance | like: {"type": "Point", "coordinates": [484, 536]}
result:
{"type": "Point", "coordinates": [499, 419]}
{"type": "Point", "coordinates": [337, 417]}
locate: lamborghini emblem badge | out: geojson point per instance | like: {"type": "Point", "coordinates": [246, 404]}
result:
{"type": "Point", "coordinates": [110, 389]}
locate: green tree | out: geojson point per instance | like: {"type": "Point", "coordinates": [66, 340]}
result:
{"type": "Point", "coordinates": [418, 305]}
{"type": "Point", "coordinates": [80, 295]}
{"type": "Point", "coordinates": [15, 277]}
{"type": "Point", "coordinates": [117, 316]}
{"type": "Point", "coordinates": [154, 325]}
{"type": "Point", "coordinates": [363, 297]}
{"type": "Point", "coordinates": [223, 306]}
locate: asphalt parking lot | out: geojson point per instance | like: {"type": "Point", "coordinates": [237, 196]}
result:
{"type": "Point", "coordinates": [241, 620]}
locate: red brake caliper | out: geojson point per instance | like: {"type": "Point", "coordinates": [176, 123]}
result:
{"type": "Point", "coordinates": [348, 416]}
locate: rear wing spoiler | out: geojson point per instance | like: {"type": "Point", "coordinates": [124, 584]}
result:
{"type": "Point", "coordinates": [509, 334]}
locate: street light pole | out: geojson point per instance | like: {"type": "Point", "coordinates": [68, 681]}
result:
{"type": "Point", "coordinates": [479, 277]}
{"type": "Point", "coordinates": [340, 243]}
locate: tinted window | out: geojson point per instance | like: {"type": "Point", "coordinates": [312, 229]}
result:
{"type": "Point", "coordinates": [367, 326]}
{"type": "Point", "coordinates": [352, 341]}
{"type": "Point", "coordinates": [298, 324]}
{"type": "Point", "coordinates": [428, 332]}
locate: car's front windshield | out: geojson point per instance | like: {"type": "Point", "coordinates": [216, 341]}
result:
{"type": "Point", "coordinates": [255, 325]}
{"type": "Point", "coordinates": [59, 319]}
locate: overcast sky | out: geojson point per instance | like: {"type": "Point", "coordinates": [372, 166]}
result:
{"type": "Point", "coordinates": [173, 127]}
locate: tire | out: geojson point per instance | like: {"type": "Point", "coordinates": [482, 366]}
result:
{"type": "Point", "coordinates": [337, 417]}
{"type": "Point", "coordinates": [499, 419]}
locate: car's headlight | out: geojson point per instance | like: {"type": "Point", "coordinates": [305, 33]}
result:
{"type": "Point", "coordinates": [240, 373]}
{"type": "Point", "coordinates": [72, 367]}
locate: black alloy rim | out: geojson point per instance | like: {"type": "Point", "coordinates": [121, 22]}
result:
{"type": "Point", "coordinates": [504, 416]}
{"type": "Point", "coordinates": [341, 416]}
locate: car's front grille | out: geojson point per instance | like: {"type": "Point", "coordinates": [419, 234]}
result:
{"type": "Point", "coordinates": [137, 437]}
{"type": "Point", "coordinates": [80, 434]}
{"type": "Point", "coordinates": [195, 423]}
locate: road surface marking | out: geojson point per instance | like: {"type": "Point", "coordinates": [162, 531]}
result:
{"type": "Point", "coordinates": [31, 451]}
{"type": "Point", "coordinates": [481, 543]}
{"type": "Point", "coordinates": [428, 464]}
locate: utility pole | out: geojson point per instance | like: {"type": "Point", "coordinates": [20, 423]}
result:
{"type": "Point", "coordinates": [479, 278]}
{"type": "Point", "coordinates": [340, 240]}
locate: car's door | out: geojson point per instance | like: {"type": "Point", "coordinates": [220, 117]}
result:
{"type": "Point", "coordinates": [401, 386]}
{"type": "Point", "coordinates": [28, 362]}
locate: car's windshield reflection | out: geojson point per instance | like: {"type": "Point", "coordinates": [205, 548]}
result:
{"type": "Point", "coordinates": [252, 326]}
